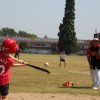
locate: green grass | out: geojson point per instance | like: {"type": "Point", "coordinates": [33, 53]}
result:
{"type": "Point", "coordinates": [27, 79]}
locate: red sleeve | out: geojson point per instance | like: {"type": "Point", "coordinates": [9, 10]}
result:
{"type": "Point", "coordinates": [11, 62]}
{"type": "Point", "coordinates": [99, 45]}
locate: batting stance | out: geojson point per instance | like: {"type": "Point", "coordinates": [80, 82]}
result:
{"type": "Point", "coordinates": [93, 57]}
{"type": "Point", "coordinates": [6, 62]}
{"type": "Point", "coordinates": [63, 59]}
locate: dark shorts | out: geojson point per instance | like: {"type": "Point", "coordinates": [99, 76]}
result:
{"type": "Point", "coordinates": [4, 89]}
{"type": "Point", "coordinates": [62, 60]}
{"type": "Point", "coordinates": [96, 64]}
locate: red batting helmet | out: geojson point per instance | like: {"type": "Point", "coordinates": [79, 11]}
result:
{"type": "Point", "coordinates": [9, 46]}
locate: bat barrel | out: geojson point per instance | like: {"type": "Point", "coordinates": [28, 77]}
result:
{"type": "Point", "coordinates": [39, 68]}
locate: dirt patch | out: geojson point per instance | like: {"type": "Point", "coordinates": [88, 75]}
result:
{"type": "Point", "coordinates": [48, 96]}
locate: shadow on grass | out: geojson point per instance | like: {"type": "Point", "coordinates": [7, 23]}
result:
{"type": "Point", "coordinates": [75, 87]}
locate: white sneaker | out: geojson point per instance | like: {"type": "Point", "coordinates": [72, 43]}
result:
{"type": "Point", "coordinates": [96, 87]}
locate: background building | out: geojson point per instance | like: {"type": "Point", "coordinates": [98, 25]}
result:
{"type": "Point", "coordinates": [36, 45]}
{"type": "Point", "coordinates": [83, 45]}
{"type": "Point", "coordinates": [46, 45]}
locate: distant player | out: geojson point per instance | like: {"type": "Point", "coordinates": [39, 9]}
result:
{"type": "Point", "coordinates": [63, 59]}
{"type": "Point", "coordinates": [6, 62]}
{"type": "Point", "coordinates": [17, 52]}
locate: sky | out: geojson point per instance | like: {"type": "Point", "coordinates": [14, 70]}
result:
{"type": "Point", "coordinates": [43, 17]}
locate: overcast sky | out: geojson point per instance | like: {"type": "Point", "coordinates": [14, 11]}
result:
{"type": "Point", "coordinates": [43, 17]}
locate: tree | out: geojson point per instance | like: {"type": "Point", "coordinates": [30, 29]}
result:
{"type": "Point", "coordinates": [67, 36]}
{"type": "Point", "coordinates": [25, 34]}
{"type": "Point", "coordinates": [23, 45]}
{"type": "Point", "coordinates": [45, 37]}
{"type": "Point", "coordinates": [11, 32]}
{"type": "Point", "coordinates": [7, 32]}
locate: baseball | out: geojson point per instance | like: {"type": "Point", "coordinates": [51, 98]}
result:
{"type": "Point", "coordinates": [46, 64]}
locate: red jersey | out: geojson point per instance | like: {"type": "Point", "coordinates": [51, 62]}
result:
{"type": "Point", "coordinates": [5, 63]}
{"type": "Point", "coordinates": [93, 51]}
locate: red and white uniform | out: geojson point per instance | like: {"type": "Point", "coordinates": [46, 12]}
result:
{"type": "Point", "coordinates": [92, 52]}
{"type": "Point", "coordinates": [5, 63]}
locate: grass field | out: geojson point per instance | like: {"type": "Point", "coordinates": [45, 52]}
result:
{"type": "Point", "coordinates": [26, 79]}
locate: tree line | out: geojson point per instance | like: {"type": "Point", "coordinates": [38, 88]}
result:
{"type": "Point", "coordinates": [11, 32]}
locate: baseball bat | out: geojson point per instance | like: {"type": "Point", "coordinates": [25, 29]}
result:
{"type": "Point", "coordinates": [38, 68]}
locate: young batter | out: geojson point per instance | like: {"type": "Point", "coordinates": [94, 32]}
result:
{"type": "Point", "coordinates": [6, 62]}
